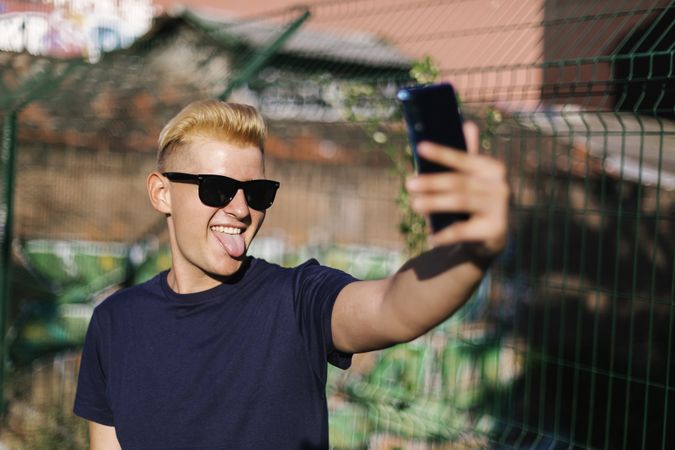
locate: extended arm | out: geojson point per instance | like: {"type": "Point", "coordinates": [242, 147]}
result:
{"type": "Point", "coordinates": [102, 437]}
{"type": "Point", "coordinates": [374, 314]}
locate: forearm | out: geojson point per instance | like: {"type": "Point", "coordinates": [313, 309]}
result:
{"type": "Point", "coordinates": [370, 315]}
{"type": "Point", "coordinates": [430, 288]}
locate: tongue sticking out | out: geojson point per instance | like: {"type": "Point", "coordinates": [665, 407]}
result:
{"type": "Point", "coordinates": [233, 243]}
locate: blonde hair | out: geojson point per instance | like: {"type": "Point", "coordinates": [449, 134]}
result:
{"type": "Point", "coordinates": [233, 122]}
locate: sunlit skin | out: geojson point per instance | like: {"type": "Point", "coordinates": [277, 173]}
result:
{"type": "Point", "coordinates": [199, 260]}
{"type": "Point", "coordinates": [432, 286]}
{"type": "Point", "coordinates": [370, 314]}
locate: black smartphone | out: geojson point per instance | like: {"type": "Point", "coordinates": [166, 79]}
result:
{"type": "Point", "coordinates": [432, 114]}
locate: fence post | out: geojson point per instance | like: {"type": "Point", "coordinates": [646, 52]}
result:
{"type": "Point", "coordinates": [8, 163]}
{"type": "Point", "coordinates": [260, 59]}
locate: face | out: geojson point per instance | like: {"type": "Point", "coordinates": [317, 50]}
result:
{"type": "Point", "coordinates": [208, 243]}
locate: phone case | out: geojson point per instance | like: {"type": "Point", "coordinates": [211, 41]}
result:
{"type": "Point", "coordinates": [432, 114]}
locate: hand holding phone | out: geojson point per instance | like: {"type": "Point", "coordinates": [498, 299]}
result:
{"type": "Point", "coordinates": [432, 114]}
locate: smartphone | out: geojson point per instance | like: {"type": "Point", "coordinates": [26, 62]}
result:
{"type": "Point", "coordinates": [432, 114]}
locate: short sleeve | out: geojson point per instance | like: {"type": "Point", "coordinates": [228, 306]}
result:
{"type": "Point", "coordinates": [316, 290]}
{"type": "Point", "coordinates": [91, 401]}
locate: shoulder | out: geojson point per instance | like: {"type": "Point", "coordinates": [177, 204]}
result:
{"type": "Point", "coordinates": [261, 268]}
{"type": "Point", "coordinates": [312, 268]}
{"type": "Point", "coordinates": [308, 272]}
{"type": "Point", "coordinates": [308, 268]}
{"type": "Point", "coordinates": [311, 276]}
{"type": "Point", "coordinates": [129, 297]}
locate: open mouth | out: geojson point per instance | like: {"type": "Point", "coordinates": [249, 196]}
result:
{"type": "Point", "coordinates": [231, 239]}
{"type": "Point", "coordinates": [226, 230]}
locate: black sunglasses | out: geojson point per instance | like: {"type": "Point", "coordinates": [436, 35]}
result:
{"type": "Point", "coordinates": [218, 190]}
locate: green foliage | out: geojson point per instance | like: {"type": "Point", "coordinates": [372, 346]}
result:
{"type": "Point", "coordinates": [428, 390]}
{"type": "Point", "coordinates": [425, 71]}
{"type": "Point", "coordinates": [412, 226]}
{"type": "Point", "coordinates": [349, 426]}
{"type": "Point", "coordinates": [493, 119]}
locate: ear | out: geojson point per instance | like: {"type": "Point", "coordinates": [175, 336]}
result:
{"type": "Point", "coordinates": [158, 190]}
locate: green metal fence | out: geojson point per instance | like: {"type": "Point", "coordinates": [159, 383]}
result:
{"type": "Point", "coordinates": [568, 341]}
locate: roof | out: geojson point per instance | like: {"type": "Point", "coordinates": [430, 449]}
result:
{"type": "Point", "coordinates": [122, 101]}
{"type": "Point", "coordinates": [351, 47]}
{"type": "Point", "coordinates": [627, 146]}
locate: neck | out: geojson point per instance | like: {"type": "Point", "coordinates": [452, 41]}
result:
{"type": "Point", "coordinates": [190, 284]}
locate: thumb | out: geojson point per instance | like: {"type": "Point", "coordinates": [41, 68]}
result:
{"type": "Point", "coordinates": [471, 135]}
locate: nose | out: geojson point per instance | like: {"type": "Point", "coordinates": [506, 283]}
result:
{"type": "Point", "coordinates": [238, 207]}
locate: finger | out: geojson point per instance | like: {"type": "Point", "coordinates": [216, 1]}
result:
{"type": "Point", "coordinates": [482, 166]}
{"type": "Point", "coordinates": [453, 202]}
{"type": "Point", "coordinates": [452, 158]}
{"type": "Point", "coordinates": [446, 156]}
{"type": "Point", "coordinates": [452, 234]}
{"type": "Point", "coordinates": [458, 182]}
{"type": "Point", "coordinates": [445, 181]}
{"type": "Point", "coordinates": [447, 203]}
{"type": "Point", "coordinates": [472, 137]}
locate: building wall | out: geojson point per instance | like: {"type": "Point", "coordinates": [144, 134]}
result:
{"type": "Point", "coordinates": [99, 195]}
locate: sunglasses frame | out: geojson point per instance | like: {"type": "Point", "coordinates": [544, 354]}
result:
{"type": "Point", "coordinates": [201, 179]}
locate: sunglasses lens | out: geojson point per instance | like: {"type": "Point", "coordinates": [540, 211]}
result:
{"type": "Point", "coordinates": [217, 191]}
{"type": "Point", "coordinates": [260, 194]}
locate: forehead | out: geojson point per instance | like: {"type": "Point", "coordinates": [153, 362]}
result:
{"type": "Point", "coordinates": [216, 156]}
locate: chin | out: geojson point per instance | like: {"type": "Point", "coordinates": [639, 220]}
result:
{"type": "Point", "coordinates": [230, 268]}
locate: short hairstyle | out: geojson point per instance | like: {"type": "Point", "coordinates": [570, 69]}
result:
{"type": "Point", "coordinates": [236, 123]}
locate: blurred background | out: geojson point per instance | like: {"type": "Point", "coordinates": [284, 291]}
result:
{"type": "Point", "coordinates": [568, 342]}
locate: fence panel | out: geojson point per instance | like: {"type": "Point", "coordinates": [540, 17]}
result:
{"type": "Point", "coordinates": [568, 341]}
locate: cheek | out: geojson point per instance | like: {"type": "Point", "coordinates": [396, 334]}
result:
{"type": "Point", "coordinates": [189, 212]}
{"type": "Point", "coordinates": [257, 218]}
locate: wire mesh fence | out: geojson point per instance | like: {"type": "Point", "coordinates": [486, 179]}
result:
{"type": "Point", "coordinates": [568, 341]}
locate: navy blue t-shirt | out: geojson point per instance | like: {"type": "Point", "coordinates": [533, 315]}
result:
{"type": "Point", "coordinates": [239, 366]}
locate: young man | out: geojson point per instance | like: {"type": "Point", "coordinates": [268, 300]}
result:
{"type": "Point", "coordinates": [227, 351]}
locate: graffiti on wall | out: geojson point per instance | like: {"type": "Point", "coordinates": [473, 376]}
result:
{"type": "Point", "coordinates": [75, 28]}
